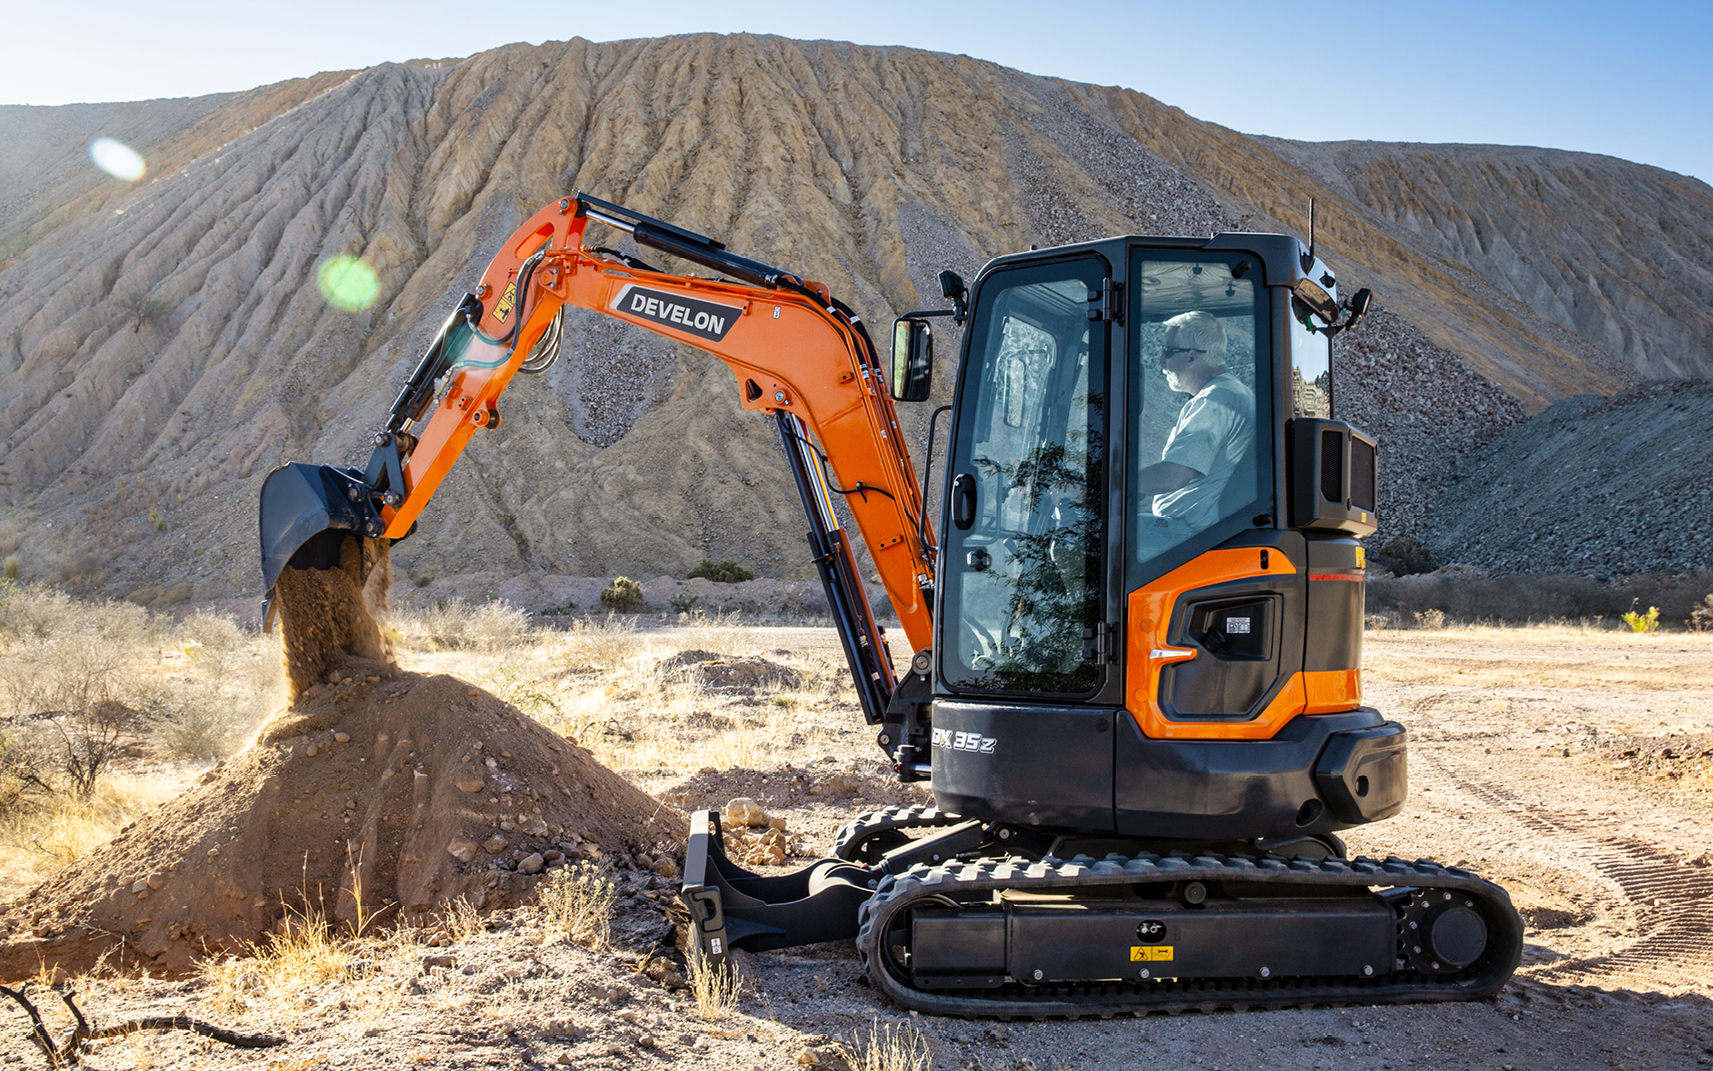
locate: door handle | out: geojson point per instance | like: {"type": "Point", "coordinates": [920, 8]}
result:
{"type": "Point", "coordinates": [963, 501]}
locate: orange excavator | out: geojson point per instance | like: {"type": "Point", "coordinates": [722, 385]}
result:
{"type": "Point", "coordinates": [1137, 627]}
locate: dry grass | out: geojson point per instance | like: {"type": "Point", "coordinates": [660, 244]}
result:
{"type": "Point", "coordinates": [38, 839]}
{"type": "Point", "coordinates": [1554, 656]}
{"type": "Point", "coordinates": [288, 969]}
{"type": "Point", "coordinates": [454, 625]}
{"type": "Point", "coordinates": [461, 919]}
{"type": "Point", "coordinates": [893, 1047]}
{"type": "Point", "coordinates": [715, 988]}
{"type": "Point", "coordinates": [601, 682]}
{"type": "Point", "coordinates": [579, 903]}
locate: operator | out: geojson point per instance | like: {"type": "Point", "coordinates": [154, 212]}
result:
{"type": "Point", "coordinates": [1214, 432]}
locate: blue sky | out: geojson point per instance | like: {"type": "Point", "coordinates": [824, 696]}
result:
{"type": "Point", "coordinates": [1629, 80]}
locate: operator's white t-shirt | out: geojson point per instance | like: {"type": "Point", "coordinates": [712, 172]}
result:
{"type": "Point", "coordinates": [1215, 430]}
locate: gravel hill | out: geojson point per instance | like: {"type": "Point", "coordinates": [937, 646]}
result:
{"type": "Point", "coordinates": [131, 447]}
{"type": "Point", "coordinates": [1607, 487]}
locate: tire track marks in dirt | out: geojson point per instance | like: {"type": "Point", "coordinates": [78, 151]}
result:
{"type": "Point", "coordinates": [1673, 904]}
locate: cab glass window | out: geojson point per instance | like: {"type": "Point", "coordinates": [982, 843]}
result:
{"type": "Point", "coordinates": [1200, 441]}
{"type": "Point", "coordinates": [1311, 364]}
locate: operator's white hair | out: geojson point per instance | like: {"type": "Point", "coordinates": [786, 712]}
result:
{"type": "Point", "coordinates": [1201, 331]}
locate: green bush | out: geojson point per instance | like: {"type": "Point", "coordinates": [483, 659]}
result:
{"type": "Point", "coordinates": [1648, 622]}
{"type": "Point", "coordinates": [726, 572]}
{"type": "Point", "coordinates": [625, 596]}
{"type": "Point", "coordinates": [684, 603]}
{"type": "Point", "coordinates": [1402, 556]}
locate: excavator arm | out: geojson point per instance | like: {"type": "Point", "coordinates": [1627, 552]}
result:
{"type": "Point", "coordinates": [797, 355]}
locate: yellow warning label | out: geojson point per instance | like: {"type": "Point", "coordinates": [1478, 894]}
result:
{"type": "Point", "coordinates": [1150, 953]}
{"type": "Point", "coordinates": [507, 301]}
{"type": "Point", "coordinates": [1359, 554]}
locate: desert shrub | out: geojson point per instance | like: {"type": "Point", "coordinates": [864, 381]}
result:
{"type": "Point", "coordinates": [1469, 595]}
{"type": "Point", "coordinates": [1648, 622]}
{"type": "Point", "coordinates": [200, 724]}
{"type": "Point", "coordinates": [625, 596]}
{"type": "Point", "coordinates": [455, 625]}
{"type": "Point", "coordinates": [579, 901]}
{"type": "Point", "coordinates": [71, 672]}
{"type": "Point", "coordinates": [214, 642]}
{"type": "Point", "coordinates": [35, 611]}
{"type": "Point", "coordinates": [899, 1047]}
{"type": "Point", "coordinates": [140, 308]}
{"type": "Point", "coordinates": [684, 602]}
{"type": "Point", "coordinates": [1379, 622]}
{"type": "Point", "coordinates": [1402, 556]}
{"type": "Point", "coordinates": [1701, 618]}
{"type": "Point", "coordinates": [725, 572]}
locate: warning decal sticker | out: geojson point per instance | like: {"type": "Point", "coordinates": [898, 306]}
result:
{"type": "Point", "coordinates": [507, 302]}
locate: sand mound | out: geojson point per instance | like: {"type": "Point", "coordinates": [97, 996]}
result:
{"type": "Point", "coordinates": [412, 789]}
{"type": "Point", "coordinates": [733, 673]}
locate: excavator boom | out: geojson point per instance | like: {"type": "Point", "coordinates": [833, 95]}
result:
{"type": "Point", "coordinates": [797, 354]}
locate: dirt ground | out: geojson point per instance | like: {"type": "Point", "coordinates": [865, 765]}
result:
{"type": "Point", "coordinates": [1572, 766]}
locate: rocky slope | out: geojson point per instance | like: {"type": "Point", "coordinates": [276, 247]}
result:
{"type": "Point", "coordinates": [1609, 486]}
{"type": "Point", "coordinates": [131, 445]}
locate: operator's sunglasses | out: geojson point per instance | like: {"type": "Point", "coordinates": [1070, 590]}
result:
{"type": "Point", "coordinates": [1168, 352]}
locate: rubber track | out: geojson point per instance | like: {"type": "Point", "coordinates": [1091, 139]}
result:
{"type": "Point", "coordinates": [869, 823]}
{"type": "Point", "coordinates": [896, 893]}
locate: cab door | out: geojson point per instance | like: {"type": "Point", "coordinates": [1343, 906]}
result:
{"type": "Point", "coordinates": [1021, 597]}
{"type": "Point", "coordinates": [1022, 593]}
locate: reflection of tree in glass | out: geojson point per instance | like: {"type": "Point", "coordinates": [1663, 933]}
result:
{"type": "Point", "coordinates": [1053, 599]}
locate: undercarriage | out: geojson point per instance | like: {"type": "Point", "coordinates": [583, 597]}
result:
{"type": "Point", "coordinates": [961, 917]}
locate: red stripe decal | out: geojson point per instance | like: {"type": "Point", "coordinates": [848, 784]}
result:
{"type": "Point", "coordinates": [1337, 576]}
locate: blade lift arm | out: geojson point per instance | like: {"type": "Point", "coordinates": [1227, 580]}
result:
{"type": "Point", "coordinates": [797, 353]}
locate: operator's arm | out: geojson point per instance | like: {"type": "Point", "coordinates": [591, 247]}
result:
{"type": "Point", "coordinates": [1164, 476]}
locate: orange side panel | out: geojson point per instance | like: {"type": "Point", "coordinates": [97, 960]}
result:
{"type": "Point", "coordinates": [1150, 613]}
{"type": "Point", "coordinates": [1333, 691]}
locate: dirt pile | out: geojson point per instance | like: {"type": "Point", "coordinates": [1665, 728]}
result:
{"type": "Point", "coordinates": [743, 674]}
{"type": "Point", "coordinates": [380, 792]}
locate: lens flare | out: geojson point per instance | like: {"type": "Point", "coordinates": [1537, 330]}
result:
{"type": "Point", "coordinates": [347, 283]}
{"type": "Point", "coordinates": [117, 159]}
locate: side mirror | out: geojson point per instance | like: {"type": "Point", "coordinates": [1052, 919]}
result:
{"type": "Point", "coordinates": [912, 360]}
{"type": "Point", "coordinates": [1354, 309]}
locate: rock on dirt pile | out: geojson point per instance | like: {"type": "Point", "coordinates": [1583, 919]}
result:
{"type": "Point", "coordinates": [406, 790]}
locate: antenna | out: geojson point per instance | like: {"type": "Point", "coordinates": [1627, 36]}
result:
{"type": "Point", "coordinates": [1311, 227]}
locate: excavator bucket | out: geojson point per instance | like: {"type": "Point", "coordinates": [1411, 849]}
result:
{"type": "Point", "coordinates": [307, 514]}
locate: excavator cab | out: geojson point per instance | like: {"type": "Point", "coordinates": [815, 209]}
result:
{"type": "Point", "coordinates": [1124, 610]}
{"type": "Point", "coordinates": [1141, 714]}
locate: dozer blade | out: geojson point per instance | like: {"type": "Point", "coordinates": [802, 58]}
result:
{"type": "Point", "coordinates": [307, 512]}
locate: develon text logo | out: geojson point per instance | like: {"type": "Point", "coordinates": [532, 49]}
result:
{"type": "Point", "coordinates": [693, 316]}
